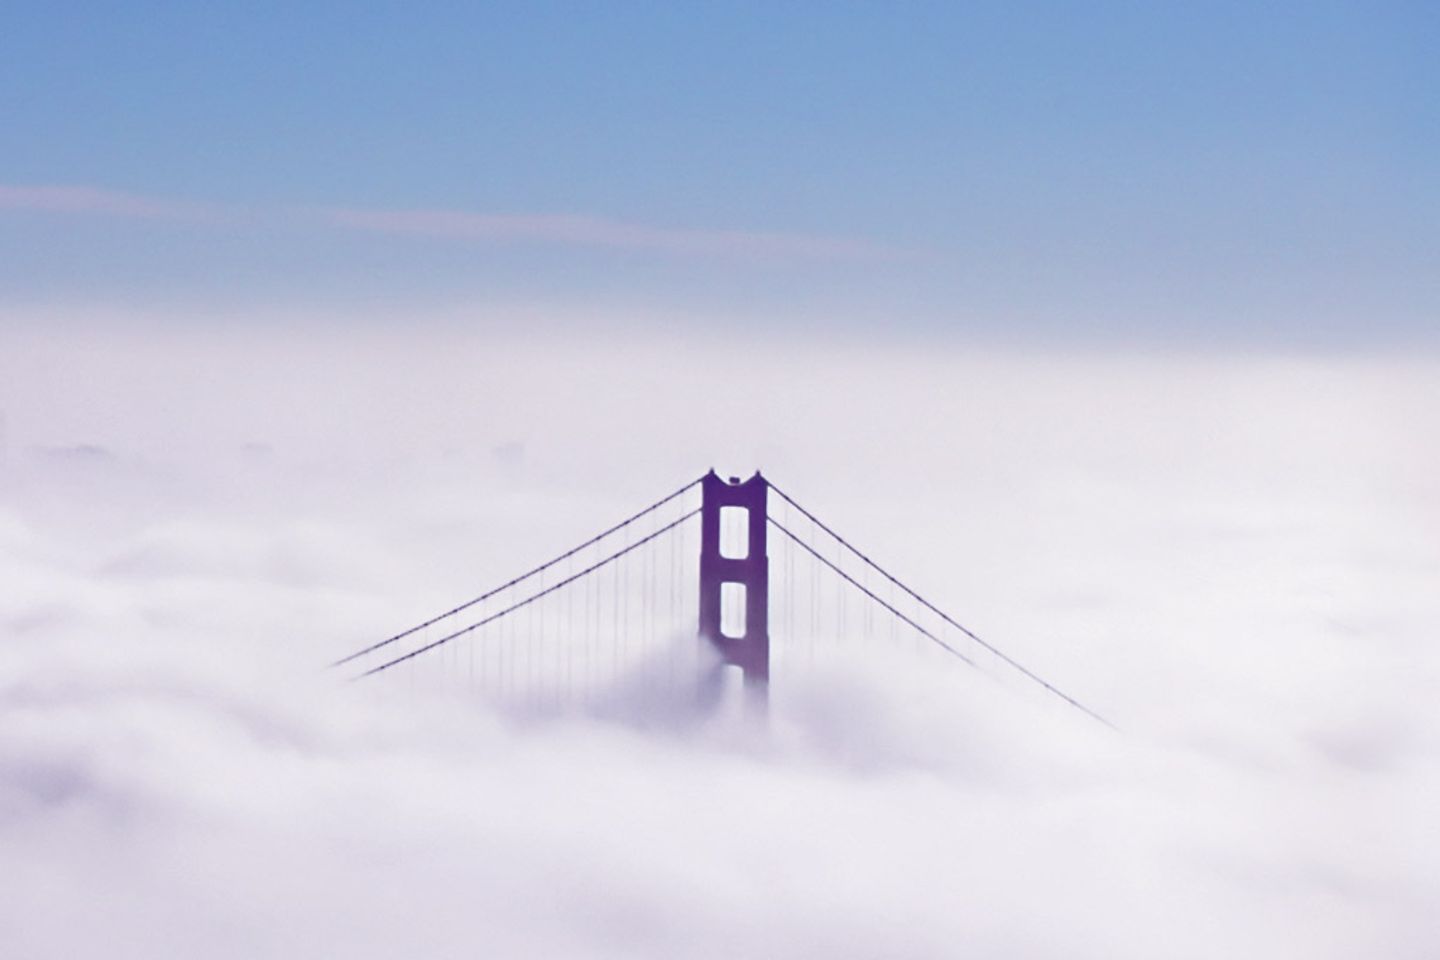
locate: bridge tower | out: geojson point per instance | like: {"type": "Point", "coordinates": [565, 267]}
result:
{"type": "Point", "coordinates": [746, 570]}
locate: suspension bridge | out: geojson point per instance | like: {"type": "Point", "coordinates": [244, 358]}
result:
{"type": "Point", "coordinates": [654, 603]}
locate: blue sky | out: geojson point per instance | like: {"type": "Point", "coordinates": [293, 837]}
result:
{"type": "Point", "coordinates": [1195, 173]}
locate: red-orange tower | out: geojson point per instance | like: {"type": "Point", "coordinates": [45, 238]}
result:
{"type": "Point", "coordinates": [747, 645]}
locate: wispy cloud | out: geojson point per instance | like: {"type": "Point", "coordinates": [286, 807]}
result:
{"type": "Point", "coordinates": [575, 230]}
{"type": "Point", "coordinates": [571, 230]}
{"type": "Point", "coordinates": [100, 201]}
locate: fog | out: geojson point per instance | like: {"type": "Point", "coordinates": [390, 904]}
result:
{"type": "Point", "coordinates": [1234, 558]}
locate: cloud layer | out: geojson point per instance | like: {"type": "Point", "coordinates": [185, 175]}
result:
{"type": "Point", "coordinates": [1233, 558]}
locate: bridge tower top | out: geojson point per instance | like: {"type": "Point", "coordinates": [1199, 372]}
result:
{"type": "Point", "coordinates": [735, 577]}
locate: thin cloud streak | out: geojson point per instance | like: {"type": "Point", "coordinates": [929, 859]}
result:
{"type": "Point", "coordinates": [569, 230]}
{"type": "Point", "coordinates": [597, 232]}
{"type": "Point", "coordinates": [102, 202]}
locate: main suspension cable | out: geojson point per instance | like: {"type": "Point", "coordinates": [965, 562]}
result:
{"type": "Point", "coordinates": [517, 580]}
{"type": "Point", "coordinates": [533, 597]}
{"type": "Point", "coordinates": [865, 590]}
{"type": "Point", "coordinates": [938, 612]}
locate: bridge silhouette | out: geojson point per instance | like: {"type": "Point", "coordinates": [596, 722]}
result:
{"type": "Point", "coordinates": [647, 602]}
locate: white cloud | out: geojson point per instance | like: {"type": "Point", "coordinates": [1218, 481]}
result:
{"type": "Point", "coordinates": [1234, 558]}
